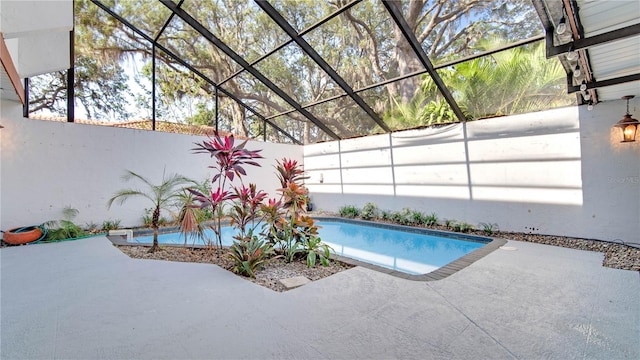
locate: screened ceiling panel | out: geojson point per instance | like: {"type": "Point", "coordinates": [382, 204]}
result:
{"type": "Point", "coordinates": [197, 51]}
{"type": "Point", "coordinates": [258, 95]}
{"type": "Point", "coordinates": [345, 117]}
{"type": "Point", "coordinates": [188, 99]}
{"type": "Point", "coordinates": [359, 45]}
{"type": "Point", "coordinates": [297, 126]}
{"type": "Point", "coordinates": [298, 75]}
{"type": "Point", "coordinates": [254, 127]}
{"type": "Point", "coordinates": [301, 14]}
{"type": "Point", "coordinates": [147, 16]}
{"type": "Point", "coordinates": [451, 30]}
{"type": "Point", "coordinates": [236, 22]}
{"type": "Point", "coordinates": [342, 70]}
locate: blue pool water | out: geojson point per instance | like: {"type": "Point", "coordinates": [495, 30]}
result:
{"type": "Point", "coordinates": [408, 252]}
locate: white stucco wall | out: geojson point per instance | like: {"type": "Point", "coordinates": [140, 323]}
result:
{"type": "Point", "coordinates": [49, 165]}
{"type": "Point", "coordinates": [550, 172]}
{"type": "Point", "coordinates": [559, 172]}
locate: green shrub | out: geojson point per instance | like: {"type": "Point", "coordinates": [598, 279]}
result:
{"type": "Point", "coordinates": [385, 215]}
{"type": "Point", "coordinates": [349, 211]}
{"type": "Point", "coordinates": [64, 228]}
{"type": "Point", "coordinates": [489, 228]}
{"type": "Point", "coordinates": [369, 211]}
{"type": "Point", "coordinates": [316, 249]}
{"type": "Point", "coordinates": [110, 225]}
{"type": "Point", "coordinates": [403, 217]}
{"type": "Point", "coordinates": [430, 220]}
{"type": "Point", "coordinates": [448, 223]}
{"type": "Point", "coordinates": [462, 227]}
{"type": "Point", "coordinates": [91, 227]}
{"type": "Point", "coordinates": [416, 218]}
{"type": "Point", "coordinates": [249, 254]}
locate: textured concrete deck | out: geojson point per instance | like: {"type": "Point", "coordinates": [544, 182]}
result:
{"type": "Point", "coordinates": [87, 300]}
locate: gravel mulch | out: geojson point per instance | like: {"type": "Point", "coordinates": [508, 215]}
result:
{"type": "Point", "coordinates": [268, 277]}
{"type": "Point", "coordinates": [616, 256]}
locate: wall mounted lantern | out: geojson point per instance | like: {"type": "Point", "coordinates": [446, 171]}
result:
{"type": "Point", "coordinates": [628, 124]}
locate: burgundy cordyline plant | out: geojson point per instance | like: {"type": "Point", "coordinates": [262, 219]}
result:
{"type": "Point", "coordinates": [295, 233]}
{"type": "Point", "coordinates": [230, 161]}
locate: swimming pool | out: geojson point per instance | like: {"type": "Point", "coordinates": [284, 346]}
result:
{"type": "Point", "coordinates": [408, 250]}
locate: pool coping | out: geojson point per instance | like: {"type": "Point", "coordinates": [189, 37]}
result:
{"type": "Point", "coordinates": [442, 272]}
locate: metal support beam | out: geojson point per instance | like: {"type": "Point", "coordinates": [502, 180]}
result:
{"type": "Point", "coordinates": [264, 131]}
{"type": "Point", "coordinates": [584, 43]}
{"type": "Point", "coordinates": [153, 86]}
{"type": "Point", "coordinates": [71, 109]}
{"type": "Point", "coordinates": [604, 83]}
{"type": "Point", "coordinates": [275, 16]}
{"type": "Point", "coordinates": [166, 23]}
{"type": "Point", "coordinates": [217, 105]}
{"type": "Point", "coordinates": [242, 62]}
{"type": "Point", "coordinates": [400, 21]}
{"type": "Point", "coordinates": [191, 68]}
{"type": "Point", "coordinates": [25, 106]}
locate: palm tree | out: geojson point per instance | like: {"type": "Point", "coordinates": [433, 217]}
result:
{"type": "Point", "coordinates": [513, 81]}
{"type": "Point", "coordinates": [162, 196]}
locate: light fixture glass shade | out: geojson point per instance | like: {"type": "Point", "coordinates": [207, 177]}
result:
{"type": "Point", "coordinates": [629, 133]}
{"type": "Point", "coordinates": [577, 73]}
{"type": "Point", "coordinates": [562, 26]}
{"type": "Point", "coordinates": [583, 86]}
{"type": "Point", "coordinates": [572, 55]}
{"type": "Point", "coordinates": [629, 126]}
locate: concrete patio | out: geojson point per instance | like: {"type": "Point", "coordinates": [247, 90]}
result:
{"type": "Point", "coordinates": [86, 300]}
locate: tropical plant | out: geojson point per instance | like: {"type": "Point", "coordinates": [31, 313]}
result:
{"type": "Point", "coordinates": [489, 228]}
{"type": "Point", "coordinates": [285, 235]}
{"type": "Point", "coordinates": [290, 230]}
{"type": "Point", "coordinates": [91, 227]}
{"type": "Point", "coordinates": [420, 111]}
{"type": "Point", "coordinates": [349, 211]}
{"type": "Point", "coordinates": [462, 227]}
{"type": "Point", "coordinates": [249, 254]}
{"type": "Point", "coordinates": [416, 218]}
{"type": "Point", "coordinates": [230, 161]}
{"type": "Point", "coordinates": [513, 81]}
{"type": "Point", "coordinates": [316, 249]}
{"type": "Point", "coordinates": [403, 217]}
{"type": "Point", "coordinates": [246, 208]}
{"type": "Point", "coordinates": [369, 211]}
{"type": "Point", "coordinates": [191, 218]}
{"type": "Point", "coordinates": [289, 171]}
{"type": "Point", "coordinates": [430, 220]}
{"type": "Point", "coordinates": [64, 228]}
{"type": "Point", "coordinates": [291, 227]}
{"type": "Point", "coordinates": [110, 225]}
{"type": "Point", "coordinates": [162, 196]}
